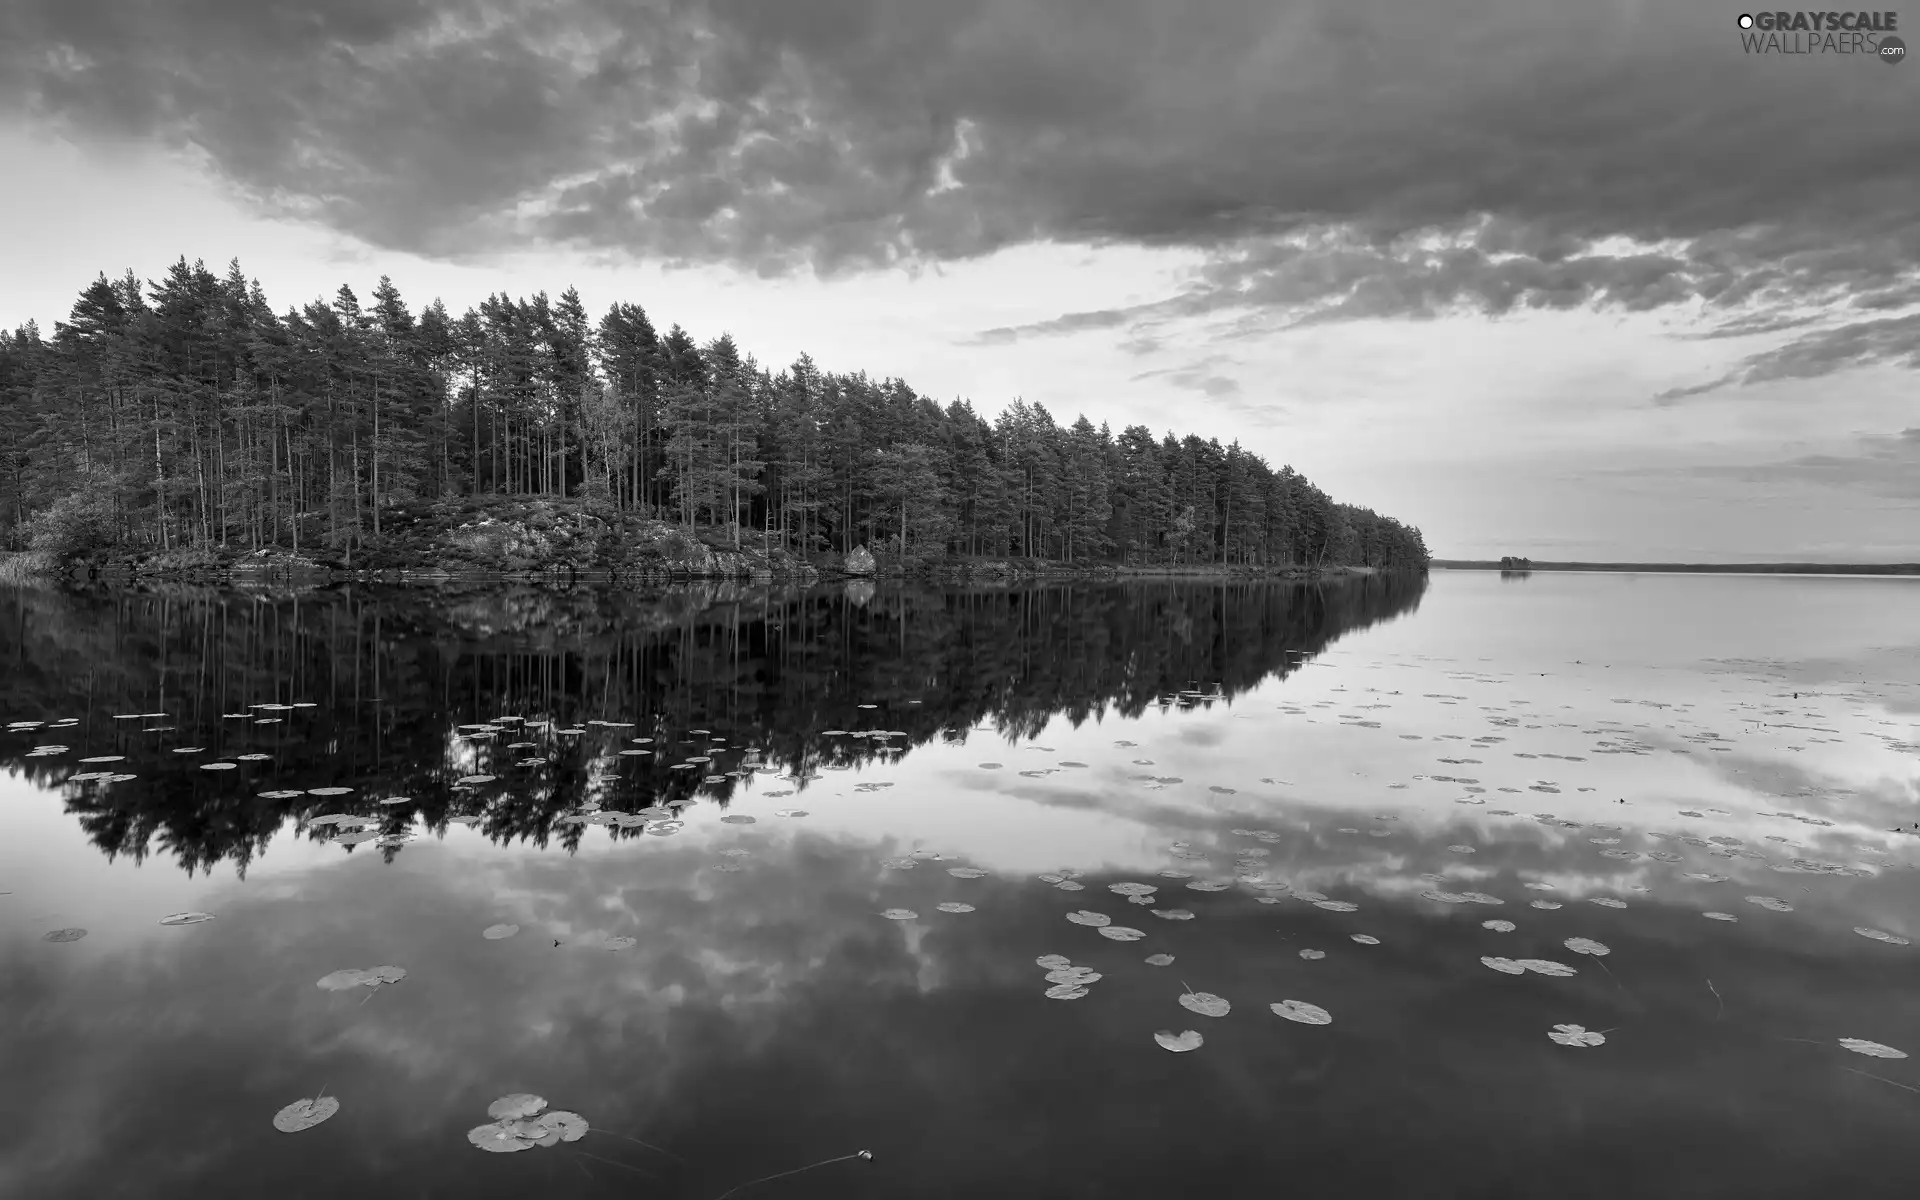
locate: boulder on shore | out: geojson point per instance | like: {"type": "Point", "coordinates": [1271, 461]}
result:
{"type": "Point", "coordinates": [859, 562]}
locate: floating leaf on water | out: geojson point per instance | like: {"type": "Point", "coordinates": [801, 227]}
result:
{"type": "Point", "coordinates": [354, 839]}
{"type": "Point", "coordinates": [494, 933]}
{"type": "Point", "coordinates": [1132, 889]}
{"type": "Point", "coordinates": [1083, 975]}
{"type": "Point", "coordinates": [1771, 903]}
{"type": "Point", "coordinates": [954, 906]}
{"type": "Point", "coordinates": [1871, 1049]}
{"type": "Point", "coordinates": [281, 794]}
{"type": "Point", "coordinates": [1586, 946]}
{"type": "Point", "coordinates": [1549, 905]}
{"type": "Point", "coordinates": [515, 1106]}
{"type": "Point", "coordinates": [1310, 955]}
{"type": "Point", "coordinates": [1546, 966]}
{"type": "Point", "coordinates": [100, 758]}
{"type": "Point", "coordinates": [1461, 849]}
{"type": "Point", "coordinates": [1206, 885]}
{"type": "Point", "coordinates": [1122, 933]}
{"type": "Point", "coordinates": [1543, 887]}
{"type": "Point", "coordinates": [1719, 916]}
{"type": "Point", "coordinates": [1498, 926]}
{"type": "Point", "coordinates": [186, 918]}
{"type": "Point", "coordinates": [467, 779]}
{"type": "Point", "coordinates": [329, 791]}
{"type": "Point", "coordinates": [1068, 885]}
{"type": "Point", "coordinates": [1505, 966]}
{"type": "Point", "coordinates": [1443, 897]}
{"type": "Point", "coordinates": [1179, 1042]}
{"type": "Point", "coordinates": [1576, 1035]}
{"type": "Point", "coordinates": [219, 766]}
{"type": "Point", "coordinates": [966, 872]}
{"type": "Point", "coordinates": [1053, 962]}
{"type": "Point", "coordinates": [1172, 914]}
{"type": "Point", "coordinates": [1159, 960]}
{"type": "Point", "coordinates": [500, 1137]}
{"type": "Point", "coordinates": [305, 1114]}
{"type": "Point", "coordinates": [990, 766]}
{"type": "Point", "coordinates": [737, 819]}
{"type": "Point", "coordinates": [63, 935]}
{"type": "Point", "coordinates": [1301, 1011]}
{"type": "Point", "coordinates": [1086, 917]}
{"type": "Point", "coordinates": [561, 1125]}
{"type": "Point", "coordinates": [899, 914]}
{"type": "Point", "coordinates": [1482, 898]}
{"type": "Point", "coordinates": [1606, 902]}
{"type": "Point", "coordinates": [617, 943]}
{"type": "Point", "coordinates": [1365, 939]}
{"type": "Point", "coordinates": [342, 980]}
{"type": "Point", "coordinates": [1336, 905]}
{"type": "Point", "coordinates": [1066, 991]}
{"type": "Point", "coordinates": [1881, 935]}
{"type": "Point", "coordinates": [1205, 1003]}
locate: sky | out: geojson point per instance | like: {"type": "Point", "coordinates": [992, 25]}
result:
{"type": "Point", "coordinates": [1577, 281]}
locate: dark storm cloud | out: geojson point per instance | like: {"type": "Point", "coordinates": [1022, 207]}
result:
{"type": "Point", "coordinates": [1333, 159]}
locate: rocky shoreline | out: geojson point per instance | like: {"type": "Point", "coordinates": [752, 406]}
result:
{"type": "Point", "coordinates": [566, 544]}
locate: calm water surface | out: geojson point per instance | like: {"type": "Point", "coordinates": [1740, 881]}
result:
{"type": "Point", "coordinates": [1374, 799]}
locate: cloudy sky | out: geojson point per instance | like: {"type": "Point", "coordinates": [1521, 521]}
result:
{"type": "Point", "coordinates": [1573, 280]}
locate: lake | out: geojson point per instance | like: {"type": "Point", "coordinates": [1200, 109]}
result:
{"type": "Point", "coordinates": [1569, 885]}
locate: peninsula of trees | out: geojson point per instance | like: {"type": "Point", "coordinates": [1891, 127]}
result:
{"type": "Point", "coordinates": [185, 414]}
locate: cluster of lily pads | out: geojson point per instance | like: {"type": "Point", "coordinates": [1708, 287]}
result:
{"type": "Point", "coordinates": [522, 1121]}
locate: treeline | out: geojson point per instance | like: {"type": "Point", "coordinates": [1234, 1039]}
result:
{"type": "Point", "coordinates": [394, 674]}
{"type": "Point", "coordinates": [186, 413]}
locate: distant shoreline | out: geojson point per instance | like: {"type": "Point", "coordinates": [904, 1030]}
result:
{"type": "Point", "coordinates": [1461, 564]}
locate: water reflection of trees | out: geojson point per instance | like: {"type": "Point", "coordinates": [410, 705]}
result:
{"type": "Point", "coordinates": [393, 674]}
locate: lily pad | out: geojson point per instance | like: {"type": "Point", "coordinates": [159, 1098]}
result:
{"type": "Point", "coordinates": [1205, 1003]}
{"type": "Point", "coordinates": [515, 1105]}
{"type": "Point", "coordinates": [899, 914]}
{"type": "Point", "coordinates": [1159, 960]}
{"type": "Point", "coordinates": [737, 819]}
{"type": "Point", "coordinates": [63, 935]}
{"type": "Point", "coordinates": [1122, 933]}
{"type": "Point", "coordinates": [305, 1114]}
{"type": "Point", "coordinates": [1303, 1012]}
{"type": "Point", "coordinates": [1587, 946]}
{"type": "Point", "coordinates": [1132, 889]}
{"type": "Point", "coordinates": [1881, 935]}
{"type": "Point", "coordinates": [1505, 966]}
{"type": "Point", "coordinates": [1066, 991]}
{"type": "Point", "coordinates": [494, 933]}
{"type": "Point", "coordinates": [954, 906]}
{"type": "Point", "coordinates": [1365, 939]}
{"type": "Point", "coordinates": [1770, 903]}
{"type": "Point", "coordinates": [1053, 962]}
{"type": "Point", "coordinates": [1172, 914]}
{"type": "Point", "coordinates": [1499, 926]}
{"type": "Point", "coordinates": [1206, 885]}
{"type": "Point", "coordinates": [1310, 955]}
{"type": "Point", "coordinates": [499, 1138]}
{"type": "Point", "coordinates": [1575, 1035]}
{"type": "Point", "coordinates": [1719, 916]}
{"type": "Point", "coordinates": [1086, 917]}
{"type": "Point", "coordinates": [1871, 1049]}
{"type": "Point", "coordinates": [1185, 1040]}
{"type": "Point", "coordinates": [1546, 966]}
{"type": "Point", "coordinates": [186, 918]}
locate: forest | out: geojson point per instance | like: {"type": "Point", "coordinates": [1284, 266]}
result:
{"type": "Point", "coordinates": [184, 414]}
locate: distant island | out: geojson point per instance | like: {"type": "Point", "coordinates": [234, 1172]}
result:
{"type": "Point", "coordinates": [184, 428]}
{"type": "Point", "coordinates": [1522, 564]}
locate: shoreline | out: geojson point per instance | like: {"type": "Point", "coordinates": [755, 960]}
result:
{"type": "Point", "coordinates": [283, 570]}
{"type": "Point", "coordinates": [1774, 568]}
